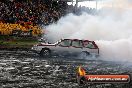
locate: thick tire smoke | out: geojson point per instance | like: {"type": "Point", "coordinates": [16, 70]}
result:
{"type": "Point", "coordinates": [111, 29]}
{"type": "Point", "coordinates": [117, 50]}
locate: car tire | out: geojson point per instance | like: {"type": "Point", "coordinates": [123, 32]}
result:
{"type": "Point", "coordinates": [84, 54]}
{"type": "Point", "coordinates": [45, 53]}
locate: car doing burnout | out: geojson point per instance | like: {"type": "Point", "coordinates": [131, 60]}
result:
{"type": "Point", "coordinates": [66, 47]}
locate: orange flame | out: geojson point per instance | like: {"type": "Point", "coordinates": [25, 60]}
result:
{"type": "Point", "coordinates": [81, 71]}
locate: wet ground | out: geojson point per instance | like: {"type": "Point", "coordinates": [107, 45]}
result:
{"type": "Point", "coordinates": [25, 69]}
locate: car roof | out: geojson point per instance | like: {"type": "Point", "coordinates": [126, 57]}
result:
{"type": "Point", "coordinates": [78, 40]}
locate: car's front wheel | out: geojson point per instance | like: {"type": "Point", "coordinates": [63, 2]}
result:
{"type": "Point", "coordinates": [45, 53]}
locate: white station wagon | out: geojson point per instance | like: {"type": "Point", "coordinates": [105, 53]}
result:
{"type": "Point", "coordinates": [66, 47]}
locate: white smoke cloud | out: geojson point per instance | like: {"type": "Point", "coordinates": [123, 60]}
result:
{"type": "Point", "coordinates": [111, 30]}
{"type": "Point", "coordinates": [117, 50]}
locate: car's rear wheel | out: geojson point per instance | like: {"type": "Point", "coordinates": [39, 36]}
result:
{"type": "Point", "coordinates": [84, 54]}
{"type": "Point", "coordinates": [45, 53]}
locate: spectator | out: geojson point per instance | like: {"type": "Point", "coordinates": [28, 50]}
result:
{"type": "Point", "coordinates": [35, 11]}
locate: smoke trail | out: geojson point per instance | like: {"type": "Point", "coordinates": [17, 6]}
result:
{"type": "Point", "coordinates": [111, 30]}
{"type": "Point", "coordinates": [117, 50]}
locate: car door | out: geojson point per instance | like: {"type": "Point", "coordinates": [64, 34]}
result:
{"type": "Point", "coordinates": [76, 46]}
{"type": "Point", "coordinates": [63, 47]}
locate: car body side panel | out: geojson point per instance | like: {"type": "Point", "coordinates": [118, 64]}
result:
{"type": "Point", "coordinates": [93, 51]}
{"type": "Point", "coordinates": [57, 48]}
{"type": "Point", "coordinates": [76, 49]}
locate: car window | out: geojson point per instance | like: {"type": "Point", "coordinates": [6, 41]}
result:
{"type": "Point", "coordinates": [89, 45]}
{"type": "Point", "coordinates": [77, 43]}
{"type": "Point", "coordinates": [65, 43]}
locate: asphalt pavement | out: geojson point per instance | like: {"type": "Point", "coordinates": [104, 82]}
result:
{"type": "Point", "coordinates": [25, 69]}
